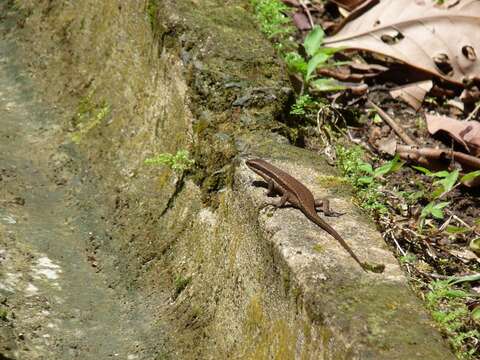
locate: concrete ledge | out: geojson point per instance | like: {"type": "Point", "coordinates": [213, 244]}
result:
{"type": "Point", "coordinates": [365, 315]}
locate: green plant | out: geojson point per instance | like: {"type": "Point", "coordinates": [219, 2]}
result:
{"type": "Point", "coordinates": [447, 306]}
{"type": "Point", "coordinates": [317, 55]}
{"type": "Point", "coordinates": [364, 178]}
{"type": "Point", "coordinates": [271, 16]}
{"type": "Point", "coordinates": [445, 182]}
{"type": "Point", "coordinates": [180, 284]}
{"type": "Point", "coordinates": [302, 104]}
{"type": "Point", "coordinates": [408, 258]}
{"type": "Point", "coordinates": [3, 314]}
{"type": "Point", "coordinates": [179, 162]}
{"type": "Point", "coordinates": [152, 10]}
{"type": "Point", "coordinates": [296, 63]}
{"type": "Point", "coordinates": [433, 209]}
{"type": "Point", "coordinates": [89, 115]}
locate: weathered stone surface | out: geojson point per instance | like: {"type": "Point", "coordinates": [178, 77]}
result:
{"type": "Point", "coordinates": [233, 281]}
{"type": "Point", "coordinates": [359, 315]}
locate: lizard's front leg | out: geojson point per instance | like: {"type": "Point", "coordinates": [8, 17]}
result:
{"type": "Point", "coordinates": [271, 188]}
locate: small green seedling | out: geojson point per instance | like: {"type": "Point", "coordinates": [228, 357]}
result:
{"type": "Point", "coordinates": [181, 284]}
{"type": "Point", "coordinates": [364, 179]}
{"type": "Point", "coordinates": [271, 16]}
{"type": "Point", "coordinates": [317, 56]}
{"type": "Point", "coordinates": [179, 162]}
{"type": "Point", "coordinates": [302, 104]}
{"type": "Point", "coordinates": [445, 183]}
{"type": "Point", "coordinates": [408, 258]}
{"type": "Point", "coordinates": [387, 168]}
{"type": "Point", "coordinates": [433, 209]}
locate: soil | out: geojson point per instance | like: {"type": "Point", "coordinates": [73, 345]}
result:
{"type": "Point", "coordinates": [58, 292]}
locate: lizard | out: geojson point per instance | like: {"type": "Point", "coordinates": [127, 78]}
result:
{"type": "Point", "coordinates": [297, 194]}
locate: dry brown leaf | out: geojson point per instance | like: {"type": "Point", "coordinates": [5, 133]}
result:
{"type": "Point", "coordinates": [413, 94]}
{"type": "Point", "coordinates": [300, 19]}
{"type": "Point", "coordinates": [442, 40]}
{"type": "Point", "coordinates": [354, 72]}
{"type": "Point", "coordinates": [466, 133]}
{"type": "Point", "coordinates": [348, 4]}
{"type": "Point", "coordinates": [293, 3]}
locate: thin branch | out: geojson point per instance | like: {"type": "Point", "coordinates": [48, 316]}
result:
{"type": "Point", "coordinates": [307, 11]}
{"type": "Point", "coordinates": [473, 113]}
{"type": "Point", "coordinates": [393, 124]}
{"type": "Point", "coordinates": [415, 153]}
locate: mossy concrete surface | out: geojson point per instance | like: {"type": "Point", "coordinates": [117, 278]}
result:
{"type": "Point", "coordinates": [137, 78]}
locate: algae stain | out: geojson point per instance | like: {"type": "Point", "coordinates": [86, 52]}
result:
{"type": "Point", "coordinates": [268, 339]}
{"type": "Point", "coordinates": [318, 248]}
{"type": "Point", "coordinates": [88, 116]}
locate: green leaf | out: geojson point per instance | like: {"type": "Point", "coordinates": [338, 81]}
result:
{"type": "Point", "coordinates": [467, 278]}
{"type": "Point", "coordinates": [296, 63]}
{"type": "Point", "coordinates": [441, 174]}
{"type": "Point", "coordinates": [470, 176]}
{"type": "Point", "coordinates": [329, 51]}
{"type": "Point", "coordinates": [476, 314]}
{"type": "Point", "coordinates": [389, 167]}
{"type": "Point", "coordinates": [435, 210]}
{"type": "Point", "coordinates": [365, 167]}
{"type": "Point", "coordinates": [377, 119]}
{"type": "Point", "coordinates": [436, 192]}
{"type": "Point", "coordinates": [327, 84]}
{"type": "Point", "coordinates": [423, 170]}
{"type": "Point", "coordinates": [365, 180]}
{"type": "Point", "coordinates": [449, 181]}
{"type": "Point", "coordinates": [456, 229]}
{"type": "Point", "coordinates": [318, 59]}
{"type": "Point", "coordinates": [314, 40]}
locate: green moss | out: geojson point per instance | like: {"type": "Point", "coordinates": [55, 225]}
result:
{"type": "Point", "coordinates": [3, 314]}
{"type": "Point", "coordinates": [332, 181]}
{"type": "Point", "coordinates": [267, 339]}
{"type": "Point", "coordinates": [318, 248]}
{"type": "Point", "coordinates": [382, 309]}
{"type": "Point", "coordinates": [180, 284]}
{"type": "Point", "coordinates": [272, 19]}
{"type": "Point", "coordinates": [447, 305]}
{"type": "Point", "coordinates": [89, 115]}
{"type": "Point", "coordinates": [152, 11]}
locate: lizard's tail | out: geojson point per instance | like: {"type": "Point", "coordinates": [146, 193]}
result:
{"type": "Point", "coordinates": [325, 226]}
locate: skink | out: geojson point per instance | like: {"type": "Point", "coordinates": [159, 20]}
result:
{"type": "Point", "coordinates": [297, 194]}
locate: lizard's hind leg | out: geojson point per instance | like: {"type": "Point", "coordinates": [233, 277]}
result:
{"type": "Point", "coordinates": [324, 206]}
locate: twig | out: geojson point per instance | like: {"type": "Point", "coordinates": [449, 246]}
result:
{"type": "Point", "coordinates": [415, 153]}
{"type": "Point", "coordinates": [471, 228]}
{"type": "Point", "coordinates": [390, 121]}
{"type": "Point", "coordinates": [473, 113]}
{"type": "Point", "coordinates": [307, 11]}
{"type": "Point", "coordinates": [448, 191]}
{"type": "Point", "coordinates": [445, 224]}
{"type": "Point", "coordinates": [403, 252]}
{"type": "Point", "coordinates": [433, 276]}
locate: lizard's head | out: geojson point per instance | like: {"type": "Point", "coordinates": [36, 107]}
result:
{"type": "Point", "coordinates": [258, 166]}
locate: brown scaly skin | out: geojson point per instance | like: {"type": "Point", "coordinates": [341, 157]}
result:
{"type": "Point", "coordinates": [297, 194]}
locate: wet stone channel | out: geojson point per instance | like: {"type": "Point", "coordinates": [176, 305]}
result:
{"type": "Point", "coordinates": [58, 298]}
